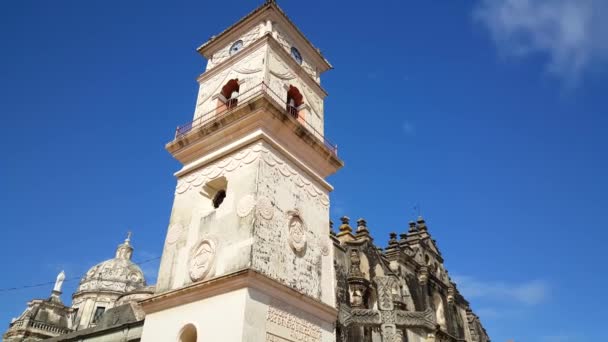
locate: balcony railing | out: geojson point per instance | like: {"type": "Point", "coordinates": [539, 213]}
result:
{"type": "Point", "coordinates": [249, 95]}
{"type": "Point", "coordinates": [49, 328]}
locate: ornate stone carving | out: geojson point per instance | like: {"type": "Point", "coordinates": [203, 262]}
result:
{"type": "Point", "coordinates": [175, 232]}
{"type": "Point", "coordinates": [416, 319]}
{"type": "Point", "coordinates": [355, 263]}
{"type": "Point", "coordinates": [385, 296]}
{"type": "Point", "coordinates": [324, 248]}
{"type": "Point", "coordinates": [202, 257]}
{"type": "Point", "coordinates": [297, 232]}
{"type": "Point", "coordinates": [357, 296]}
{"type": "Point", "coordinates": [247, 156]}
{"type": "Point", "coordinates": [289, 327]}
{"type": "Point", "coordinates": [245, 205]}
{"type": "Point", "coordinates": [423, 275]}
{"type": "Point", "coordinates": [265, 208]}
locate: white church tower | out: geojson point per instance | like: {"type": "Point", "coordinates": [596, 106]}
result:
{"type": "Point", "coordinates": [248, 256]}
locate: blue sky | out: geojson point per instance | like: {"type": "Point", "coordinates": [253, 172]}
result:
{"type": "Point", "coordinates": [490, 114]}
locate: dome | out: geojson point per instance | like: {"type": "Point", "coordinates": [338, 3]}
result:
{"type": "Point", "coordinates": [115, 275]}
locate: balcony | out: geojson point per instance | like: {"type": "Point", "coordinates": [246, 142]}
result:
{"type": "Point", "coordinates": [261, 90]}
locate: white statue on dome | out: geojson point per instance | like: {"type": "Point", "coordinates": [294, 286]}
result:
{"type": "Point", "coordinates": [59, 282]}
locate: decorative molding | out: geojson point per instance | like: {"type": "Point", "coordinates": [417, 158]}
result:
{"type": "Point", "coordinates": [238, 280]}
{"type": "Point", "coordinates": [246, 156]}
{"type": "Point", "coordinates": [264, 207]}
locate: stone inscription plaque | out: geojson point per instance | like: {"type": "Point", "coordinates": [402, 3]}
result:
{"type": "Point", "coordinates": [284, 326]}
{"type": "Point", "coordinates": [274, 338]}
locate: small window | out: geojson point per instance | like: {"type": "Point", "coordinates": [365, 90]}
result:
{"type": "Point", "coordinates": [74, 316]}
{"type": "Point", "coordinates": [98, 312]}
{"type": "Point", "coordinates": [219, 198]}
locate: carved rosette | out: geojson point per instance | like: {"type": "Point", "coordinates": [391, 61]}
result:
{"type": "Point", "coordinates": [202, 257]}
{"type": "Point", "coordinates": [297, 233]}
{"type": "Point", "coordinates": [245, 205]}
{"type": "Point", "coordinates": [264, 208]}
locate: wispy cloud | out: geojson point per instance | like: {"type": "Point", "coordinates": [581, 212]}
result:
{"type": "Point", "coordinates": [529, 293]}
{"type": "Point", "coordinates": [573, 34]}
{"type": "Point", "coordinates": [408, 128]}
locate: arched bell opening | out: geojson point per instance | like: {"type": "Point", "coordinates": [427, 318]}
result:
{"type": "Point", "coordinates": [294, 101]}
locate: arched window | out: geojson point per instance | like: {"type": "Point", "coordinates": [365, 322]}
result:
{"type": "Point", "coordinates": [188, 334]}
{"type": "Point", "coordinates": [230, 92]}
{"type": "Point", "coordinates": [294, 101]}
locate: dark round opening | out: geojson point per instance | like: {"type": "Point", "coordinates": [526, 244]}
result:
{"type": "Point", "coordinates": [219, 198]}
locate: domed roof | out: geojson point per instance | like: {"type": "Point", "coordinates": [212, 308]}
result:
{"type": "Point", "coordinates": [115, 275]}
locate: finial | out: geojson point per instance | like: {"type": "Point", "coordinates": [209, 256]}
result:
{"type": "Point", "coordinates": [362, 228]}
{"type": "Point", "coordinates": [413, 227]}
{"type": "Point", "coordinates": [331, 228]}
{"type": "Point", "coordinates": [128, 239]}
{"type": "Point", "coordinates": [345, 227]}
{"type": "Point", "coordinates": [421, 223]}
{"type": "Point", "coordinates": [402, 237]}
{"type": "Point", "coordinates": [393, 239]}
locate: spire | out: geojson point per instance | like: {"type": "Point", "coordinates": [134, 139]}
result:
{"type": "Point", "coordinates": [345, 228]}
{"type": "Point", "coordinates": [362, 230]}
{"type": "Point", "coordinates": [421, 224]}
{"type": "Point", "coordinates": [124, 250]}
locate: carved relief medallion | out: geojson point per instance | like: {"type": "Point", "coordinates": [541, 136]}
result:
{"type": "Point", "coordinates": [297, 233]}
{"type": "Point", "coordinates": [264, 208]}
{"type": "Point", "coordinates": [245, 205]}
{"type": "Point", "coordinates": [323, 246]}
{"type": "Point", "coordinates": [201, 261]}
{"type": "Point", "coordinates": [325, 250]}
{"type": "Point", "coordinates": [174, 233]}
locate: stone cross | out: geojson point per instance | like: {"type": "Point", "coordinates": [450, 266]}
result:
{"type": "Point", "coordinates": [390, 320]}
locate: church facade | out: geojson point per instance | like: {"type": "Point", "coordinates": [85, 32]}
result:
{"type": "Point", "coordinates": [250, 252]}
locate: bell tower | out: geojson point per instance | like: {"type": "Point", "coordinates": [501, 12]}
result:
{"type": "Point", "coordinates": [248, 256]}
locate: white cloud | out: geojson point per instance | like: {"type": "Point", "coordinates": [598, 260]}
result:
{"type": "Point", "coordinates": [572, 34]}
{"type": "Point", "coordinates": [408, 128]}
{"type": "Point", "coordinates": [530, 293]}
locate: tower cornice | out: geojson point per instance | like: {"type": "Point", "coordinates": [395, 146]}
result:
{"type": "Point", "coordinates": [268, 11]}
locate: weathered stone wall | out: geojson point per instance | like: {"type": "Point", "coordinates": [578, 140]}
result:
{"type": "Point", "coordinates": [204, 242]}
{"type": "Point", "coordinates": [292, 243]}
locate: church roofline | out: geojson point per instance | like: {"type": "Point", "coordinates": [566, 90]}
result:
{"type": "Point", "coordinates": [268, 4]}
